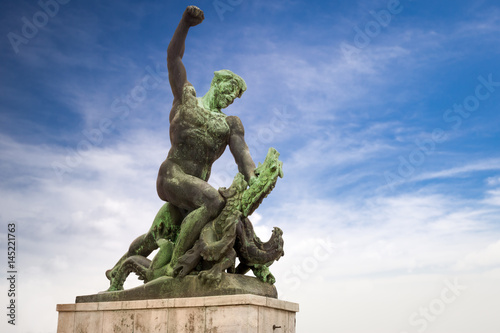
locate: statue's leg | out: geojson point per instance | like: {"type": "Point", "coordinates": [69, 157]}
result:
{"type": "Point", "coordinates": [242, 269]}
{"type": "Point", "coordinates": [168, 215]}
{"type": "Point", "coordinates": [189, 234]}
{"type": "Point", "coordinates": [192, 194]}
{"type": "Point", "coordinates": [161, 259]}
{"type": "Point", "coordinates": [137, 264]}
{"type": "Point", "coordinates": [262, 273]}
{"type": "Point", "coordinates": [189, 260]}
{"type": "Point", "coordinates": [214, 274]}
{"type": "Point", "coordinates": [142, 245]}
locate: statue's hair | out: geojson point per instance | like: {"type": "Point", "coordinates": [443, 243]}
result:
{"type": "Point", "coordinates": [225, 75]}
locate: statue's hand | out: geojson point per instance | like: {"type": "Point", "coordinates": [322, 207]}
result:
{"type": "Point", "coordinates": [193, 16]}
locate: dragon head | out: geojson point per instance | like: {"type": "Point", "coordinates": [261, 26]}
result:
{"type": "Point", "coordinates": [267, 174]}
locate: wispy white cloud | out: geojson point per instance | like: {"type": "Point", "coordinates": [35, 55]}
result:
{"type": "Point", "coordinates": [488, 257]}
{"type": "Point", "coordinates": [493, 181]}
{"type": "Point", "coordinates": [488, 164]}
{"type": "Point", "coordinates": [493, 197]}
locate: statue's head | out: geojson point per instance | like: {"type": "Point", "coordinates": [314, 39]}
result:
{"type": "Point", "coordinates": [226, 87]}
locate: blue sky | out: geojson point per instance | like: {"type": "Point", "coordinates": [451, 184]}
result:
{"type": "Point", "coordinates": [385, 114]}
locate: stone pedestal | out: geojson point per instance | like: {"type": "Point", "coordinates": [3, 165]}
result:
{"type": "Point", "coordinates": [212, 314]}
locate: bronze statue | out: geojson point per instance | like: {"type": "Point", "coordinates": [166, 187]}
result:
{"type": "Point", "coordinates": [199, 134]}
{"type": "Point", "coordinates": [200, 229]}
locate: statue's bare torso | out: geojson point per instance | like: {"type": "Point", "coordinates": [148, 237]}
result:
{"type": "Point", "coordinates": [198, 136]}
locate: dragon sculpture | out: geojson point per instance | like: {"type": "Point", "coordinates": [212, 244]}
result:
{"type": "Point", "coordinates": [227, 237]}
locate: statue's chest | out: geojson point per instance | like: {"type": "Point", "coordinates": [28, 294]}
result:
{"type": "Point", "coordinates": [211, 124]}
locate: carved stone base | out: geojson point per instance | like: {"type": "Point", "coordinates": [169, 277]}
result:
{"type": "Point", "coordinates": [189, 286]}
{"type": "Point", "coordinates": [221, 314]}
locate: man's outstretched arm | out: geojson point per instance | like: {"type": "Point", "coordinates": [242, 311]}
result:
{"type": "Point", "coordinates": [239, 148]}
{"type": "Point", "coordinates": [176, 71]}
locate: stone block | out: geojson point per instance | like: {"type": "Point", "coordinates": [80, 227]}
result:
{"type": "Point", "coordinates": [235, 300]}
{"type": "Point", "coordinates": [66, 322]}
{"type": "Point", "coordinates": [134, 304]}
{"type": "Point", "coordinates": [117, 321]}
{"type": "Point", "coordinates": [279, 304]}
{"type": "Point", "coordinates": [87, 306]}
{"type": "Point", "coordinates": [66, 307]}
{"type": "Point", "coordinates": [189, 302]}
{"type": "Point", "coordinates": [230, 319]}
{"type": "Point", "coordinates": [87, 322]}
{"type": "Point", "coordinates": [275, 321]}
{"type": "Point", "coordinates": [217, 314]}
{"type": "Point", "coordinates": [190, 320]}
{"type": "Point", "coordinates": [151, 321]}
{"type": "Point", "coordinates": [160, 303]}
{"type": "Point", "coordinates": [103, 306]}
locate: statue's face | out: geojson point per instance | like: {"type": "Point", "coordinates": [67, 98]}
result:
{"type": "Point", "coordinates": [226, 92]}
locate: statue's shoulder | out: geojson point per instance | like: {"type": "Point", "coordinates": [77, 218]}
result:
{"type": "Point", "coordinates": [188, 94]}
{"type": "Point", "coordinates": [185, 104]}
{"type": "Point", "coordinates": [235, 124]}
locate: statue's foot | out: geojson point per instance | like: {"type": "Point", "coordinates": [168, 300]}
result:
{"type": "Point", "coordinates": [270, 278]}
{"type": "Point", "coordinates": [168, 270]}
{"type": "Point", "coordinates": [262, 273]}
{"type": "Point", "coordinates": [115, 285]}
{"type": "Point", "coordinates": [109, 274]}
{"type": "Point", "coordinates": [212, 276]}
{"type": "Point", "coordinates": [113, 288]}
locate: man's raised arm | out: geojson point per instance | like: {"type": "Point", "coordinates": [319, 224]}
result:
{"type": "Point", "coordinates": [176, 71]}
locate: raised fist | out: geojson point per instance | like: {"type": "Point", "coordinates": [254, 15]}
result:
{"type": "Point", "coordinates": [193, 16]}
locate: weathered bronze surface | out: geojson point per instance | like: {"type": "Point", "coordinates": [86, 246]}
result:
{"type": "Point", "coordinates": [200, 231]}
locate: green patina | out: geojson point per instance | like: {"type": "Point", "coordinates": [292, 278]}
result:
{"type": "Point", "coordinates": [227, 237]}
{"type": "Point", "coordinates": [201, 230]}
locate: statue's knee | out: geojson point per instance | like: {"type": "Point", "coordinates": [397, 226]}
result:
{"type": "Point", "coordinates": [215, 205]}
{"type": "Point", "coordinates": [142, 245]}
{"type": "Point", "coordinates": [136, 245]}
